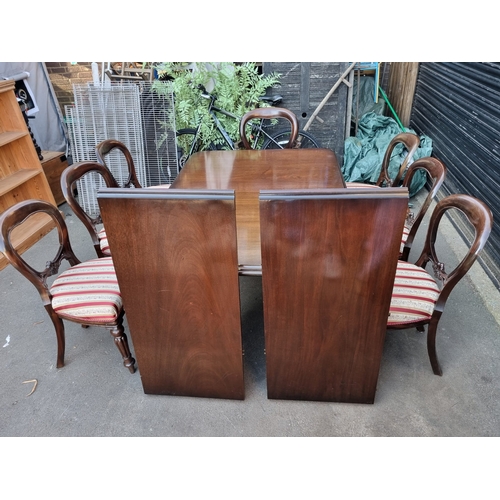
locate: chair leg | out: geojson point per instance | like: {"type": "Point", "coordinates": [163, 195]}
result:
{"type": "Point", "coordinates": [61, 342]}
{"type": "Point", "coordinates": [121, 342]}
{"type": "Point", "coordinates": [431, 347]}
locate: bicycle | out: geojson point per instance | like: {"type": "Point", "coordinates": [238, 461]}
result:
{"type": "Point", "coordinates": [262, 132]}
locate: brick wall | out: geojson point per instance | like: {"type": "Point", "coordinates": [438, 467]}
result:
{"type": "Point", "coordinates": [63, 75]}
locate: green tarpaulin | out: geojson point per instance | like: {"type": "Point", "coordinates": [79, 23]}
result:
{"type": "Point", "coordinates": [364, 153]}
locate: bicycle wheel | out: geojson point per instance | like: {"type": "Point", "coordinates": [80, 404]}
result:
{"type": "Point", "coordinates": [278, 141]}
{"type": "Point", "coordinates": [185, 139]}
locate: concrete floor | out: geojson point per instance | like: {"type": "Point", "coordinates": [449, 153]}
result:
{"type": "Point", "coordinates": [94, 395]}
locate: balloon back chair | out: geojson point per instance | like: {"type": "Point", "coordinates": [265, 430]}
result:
{"type": "Point", "coordinates": [104, 148]}
{"type": "Point", "coordinates": [418, 299]}
{"type": "Point", "coordinates": [436, 173]}
{"type": "Point", "coordinates": [270, 113]}
{"type": "Point", "coordinates": [411, 143]}
{"type": "Point", "coordinates": [69, 177]}
{"type": "Point", "coordinates": [85, 293]}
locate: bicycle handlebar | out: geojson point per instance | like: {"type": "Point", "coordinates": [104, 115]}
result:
{"type": "Point", "coordinates": [272, 100]}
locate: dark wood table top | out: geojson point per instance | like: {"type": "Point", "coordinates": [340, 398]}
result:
{"type": "Point", "coordinates": [249, 171]}
{"type": "Point", "coordinates": [253, 170]}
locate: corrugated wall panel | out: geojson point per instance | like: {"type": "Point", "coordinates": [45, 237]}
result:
{"type": "Point", "coordinates": [458, 106]}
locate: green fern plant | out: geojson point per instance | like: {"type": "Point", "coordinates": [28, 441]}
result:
{"type": "Point", "coordinates": [237, 87]}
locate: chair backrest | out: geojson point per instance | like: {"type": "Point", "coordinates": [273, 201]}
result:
{"type": "Point", "coordinates": [411, 142]}
{"type": "Point", "coordinates": [105, 147]}
{"type": "Point", "coordinates": [436, 173]}
{"type": "Point", "coordinates": [269, 114]}
{"type": "Point", "coordinates": [178, 275]}
{"type": "Point", "coordinates": [69, 177]}
{"type": "Point", "coordinates": [481, 219]}
{"type": "Point", "coordinates": [326, 296]}
{"type": "Point", "coordinates": [15, 216]}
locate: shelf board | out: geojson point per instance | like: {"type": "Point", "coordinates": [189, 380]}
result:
{"type": "Point", "coordinates": [28, 233]}
{"type": "Point", "coordinates": [8, 137]}
{"type": "Point", "coordinates": [16, 179]}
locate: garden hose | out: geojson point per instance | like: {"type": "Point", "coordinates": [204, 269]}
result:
{"type": "Point", "coordinates": [392, 109]}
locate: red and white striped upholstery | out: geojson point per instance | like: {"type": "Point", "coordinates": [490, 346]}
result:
{"type": "Point", "coordinates": [103, 242]}
{"type": "Point", "coordinates": [404, 237]}
{"type": "Point", "coordinates": [88, 292]}
{"type": "Point", "coordinates": [414, 295]}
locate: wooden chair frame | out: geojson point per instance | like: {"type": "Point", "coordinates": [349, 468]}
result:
{"type": "Point", "coordinates": [105, 147]}
{"type": "Point", "coordinates": [16, 215]}
{"type": "Point", "coordinates": [411, 142]}
{"type": "Point", "coordinates": [436, 173]}
{"type": "Point", "coordinates": [270, 114]}
{"type": "Point", "coordinates": [480, 216]}
{"type": "Point", "coordinates": [68, 178]}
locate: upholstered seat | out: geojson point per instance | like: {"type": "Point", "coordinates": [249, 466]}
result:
{"type": "Point", "coordinates": [88, 292]}
{"type": "Point", "coordinates": [414, 295]}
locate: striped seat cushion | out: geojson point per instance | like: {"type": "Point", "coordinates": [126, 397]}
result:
{"type": "Point", "coordinates": [404, 237]}
{"type": "Point", "coordinates": [103, 242]}
{"type": "Point", "coordinates": [413, 297]}
{"type": "Point", "coordinates": [88, 292]}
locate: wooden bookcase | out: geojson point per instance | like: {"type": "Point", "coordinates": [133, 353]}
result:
{"type": "Point", "coordinates": [21, 173]}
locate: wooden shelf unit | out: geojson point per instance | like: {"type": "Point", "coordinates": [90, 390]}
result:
{"type": "Point", "coordinates": [8, 137]}
{"type": "Point", "coordinates": [21, 173]}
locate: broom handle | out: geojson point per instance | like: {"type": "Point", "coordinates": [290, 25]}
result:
{"type": "Point", "coordinates": [332, 90]}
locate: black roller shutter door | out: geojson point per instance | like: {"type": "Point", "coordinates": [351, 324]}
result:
{"type": "Point", "coordinates": [458, 106]}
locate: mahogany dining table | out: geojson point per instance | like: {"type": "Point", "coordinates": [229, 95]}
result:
{"type": "Point", "coordinates": [327, 256]}
{"type": "Point", "coordinates": [247, 172]}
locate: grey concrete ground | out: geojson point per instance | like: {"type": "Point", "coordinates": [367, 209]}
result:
{"type": "Point", "coordinates": [94, 395]}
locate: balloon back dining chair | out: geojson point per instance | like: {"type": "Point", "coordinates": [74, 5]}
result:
{"type": "Point", "coordinates": [418, 298]}
{"type": "Point", "coordinates": [85, 293]}
{"type": "Point", "coordinates": [105, 147]}
{"type": "Point", "coordinates": [270, 113]}
{"type": "Point", "coordinates": [436, 172]}
{"type": "Point", "coordinates": [411, 142]}
{"type": "Point", "coordinates": [92, 222]}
